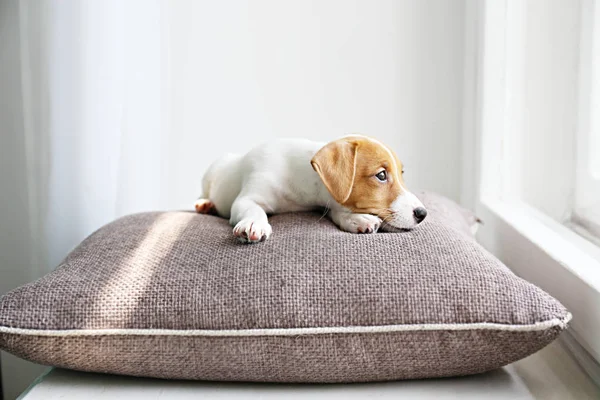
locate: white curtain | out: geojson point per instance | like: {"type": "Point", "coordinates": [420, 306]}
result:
{"type": "Point", "coordinates": [91, 121]}
{"type": "Point", "coordinates": [82, 131]}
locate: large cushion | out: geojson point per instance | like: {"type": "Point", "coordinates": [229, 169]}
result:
{"type": "Point", "coordinates": [174, 295]}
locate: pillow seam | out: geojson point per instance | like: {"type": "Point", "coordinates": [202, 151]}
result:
{"type": "Point", "coordinates": [487, 326]}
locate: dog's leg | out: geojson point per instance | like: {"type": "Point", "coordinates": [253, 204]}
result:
{"type": "Point", "coordinates": [355, 223]}
{"type": "Point", "coordinates": [249, 221]}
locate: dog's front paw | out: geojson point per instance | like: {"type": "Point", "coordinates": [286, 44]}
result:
{"type": "Point", "coordinates": [251, 231]}
{"type": "Point", "coordinates": [360, 223]}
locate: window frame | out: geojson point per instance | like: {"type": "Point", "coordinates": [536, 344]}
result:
{"type": "Point", "coordinates": [587, 170]}
{"type": "Point", "coordinates": [536, 247]}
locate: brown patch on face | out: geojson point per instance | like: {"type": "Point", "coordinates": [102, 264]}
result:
{"type": "Point", "coordinates": [348, 167]}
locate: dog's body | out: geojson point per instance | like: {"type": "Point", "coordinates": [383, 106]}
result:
{"type": "Point", "coordinates": [298, 175]}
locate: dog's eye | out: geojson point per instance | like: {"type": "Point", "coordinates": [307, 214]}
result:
{"type": "Point", "coordinates": [382, 176]}
{"type": "Point", "coordinates": [402, 171]}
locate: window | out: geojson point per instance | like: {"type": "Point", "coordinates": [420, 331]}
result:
{"type": "Point", "coordinates": [532, 124]}
{"type": "Point", "coordinates": [586, 211]}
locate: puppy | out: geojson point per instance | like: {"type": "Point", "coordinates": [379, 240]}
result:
{"type": "Point", "coordinates": [357, 178]}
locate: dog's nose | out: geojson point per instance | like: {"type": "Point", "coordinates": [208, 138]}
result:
{"type": "Point", "coordinates": [420, 213]}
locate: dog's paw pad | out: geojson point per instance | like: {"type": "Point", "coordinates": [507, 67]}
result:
{"type": "Point", "coordinates": [204, 206]}
{"type": "Point", "coordinates": [368, 228]}
{"type": "Point", "coordinates": [250, 231]}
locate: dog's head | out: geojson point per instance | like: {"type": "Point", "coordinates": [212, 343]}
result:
{"type": "Point", "coordinates": [365, 176]}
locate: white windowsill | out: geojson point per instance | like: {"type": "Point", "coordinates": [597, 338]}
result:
{"type": "Point", "coordinates": [551, 256]}
{"type": "Point", "coordinates": [575, 253]}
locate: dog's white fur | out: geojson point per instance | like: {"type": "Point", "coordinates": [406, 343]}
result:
{"type": "Point", "coordinates": [277, 177]}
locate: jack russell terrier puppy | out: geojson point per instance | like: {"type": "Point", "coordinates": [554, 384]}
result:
{"type": "Point", "coordinates": [356, 178]}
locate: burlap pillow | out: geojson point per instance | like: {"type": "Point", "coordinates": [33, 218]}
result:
{"type": "Point", "coordinates": [174, 295]}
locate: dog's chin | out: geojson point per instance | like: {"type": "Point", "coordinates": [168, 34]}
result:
{"type": "Point", "coordinates": [385, 227]}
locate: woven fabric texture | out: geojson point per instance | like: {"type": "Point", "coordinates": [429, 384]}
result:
{"type": "Point", "coordinates": [183, 271]}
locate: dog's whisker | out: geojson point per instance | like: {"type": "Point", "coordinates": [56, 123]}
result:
{"type": "Point", "coordinates": [384, 219]}
{"type": "Point", "coordinates": [325, 212]}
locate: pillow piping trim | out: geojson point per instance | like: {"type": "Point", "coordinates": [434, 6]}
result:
{"type": "Point", "coordinates": [486, 326]}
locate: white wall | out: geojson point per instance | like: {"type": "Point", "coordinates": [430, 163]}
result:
{"type": "Point", "coordinates": [113, 107]}
{"type": "Point", "coordinates": [245, 72]}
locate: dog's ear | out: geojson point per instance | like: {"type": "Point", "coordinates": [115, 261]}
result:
{"type": "Point", "coordinates": [336, 165]}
